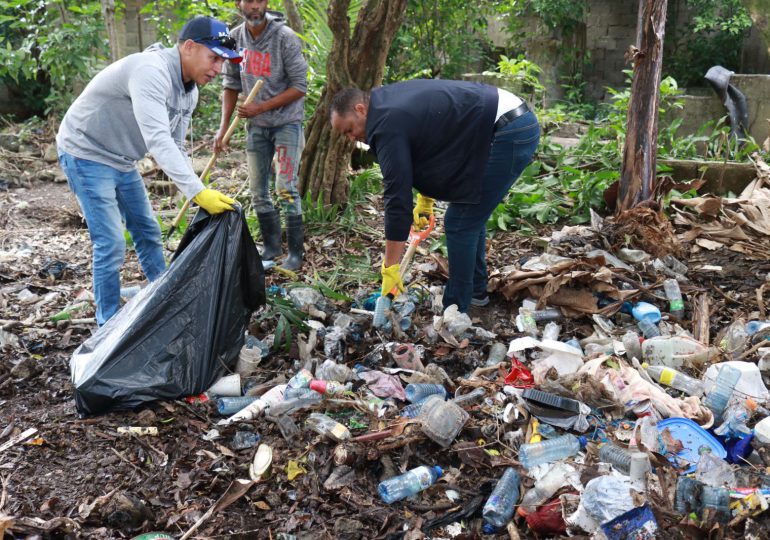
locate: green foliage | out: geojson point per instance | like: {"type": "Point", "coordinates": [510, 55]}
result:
{"type": "Point", "coordinates": [712, 35]}
{"type": "Point", "coordinates": [522, 76]}
{"type": "Point", "coordinates": [168, 16]}
{"type": "Point", "coordinates": [50, 48]}
{"type": "Point", "coordinates": [442, 38]}
{"type": "Point", "coordinates": [289, 318]}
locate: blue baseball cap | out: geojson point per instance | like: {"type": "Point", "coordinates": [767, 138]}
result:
{"type": "Point", "coordinates": [213, 34]}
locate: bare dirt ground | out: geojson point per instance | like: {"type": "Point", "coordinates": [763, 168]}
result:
{"type": "Point", "coordinates": [78, 478]}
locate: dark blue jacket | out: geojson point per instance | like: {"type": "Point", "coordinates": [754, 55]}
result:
{"type": "Point", "coordinates": [431, 135]}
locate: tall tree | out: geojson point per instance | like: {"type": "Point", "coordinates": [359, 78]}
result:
{"type": "Point", "coordinates": [108, 12]}
{"type": "Point", "coordinates": [640, 151]}
{"type": "Point", "coordinates": [760, 15]}
{"type": "Point", "coordinates": [357, 60]}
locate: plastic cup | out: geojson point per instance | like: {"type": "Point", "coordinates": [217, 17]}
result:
{"type": "Point", "coordinates": [229, 385]}
{"type": "Point", "coordinates": [248, 360]}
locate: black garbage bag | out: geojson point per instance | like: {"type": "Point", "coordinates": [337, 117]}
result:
{"type": "Point", "coordinates": [733, 100]}
{"type": "Point", "coordinates": [179, 334]}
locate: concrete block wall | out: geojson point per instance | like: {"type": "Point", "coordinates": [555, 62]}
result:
{"type": "Point", "coordinates": [134, 32]}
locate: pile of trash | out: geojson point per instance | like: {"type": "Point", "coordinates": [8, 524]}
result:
{"type": "Point", "coordinates": [625, 426]}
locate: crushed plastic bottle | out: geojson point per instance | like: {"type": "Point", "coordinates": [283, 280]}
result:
{"type": "Point", "coordinates": [244, 439]}
{"type": "Point", "coordinates": [675, 379]}
{"type": "Point", "coordinates": [332, 371]}
{"type": "Point", "coordinates": [501, 504]}
{"type": "Point", "coordinates": [533, 454]}
{"type": "Point", "coordinates": [734, 340]}
{"type": "Point", "coordinates": [408, 484]}
{"type": "Point", "coordinates": [301, 379]}
{"type": "Point", "coordinates": [471, 397]}
{"type": "Point", "coordinates": [619, 458]}
{"type": "Point", "coordinates": [648, 328]}
{"type": "Point", "coordinates": [298, 393]}
{"type": "Point", "coordinates": [714, 471]}
{"type": "Point", "coordinates": [717, 399]}
{"type": "Point", "coordinates": [735, 418]}
{"type": "Point", "coordinates": [323, 425]}
{"type": "Point", "coordinates": [676, 351]}
{"type": "Point", "coordinates": [334, 344]}
{"type": "Point", "coordinates": [288, 406]}
{"type": "Point", "coordinates": [674, 295]}
{"type": "Point", "coordinates": [418, 391]}
{"type": "Point", "coordinates": [544, 488]}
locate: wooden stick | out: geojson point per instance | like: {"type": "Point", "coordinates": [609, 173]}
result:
{"type": "Point", "coordinates": [212, 160]}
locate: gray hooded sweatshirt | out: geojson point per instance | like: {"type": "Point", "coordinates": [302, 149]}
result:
{"type": "Point", "coordinates": [276, 58]}
{"type": "Point", "coordinates": [136, 105]}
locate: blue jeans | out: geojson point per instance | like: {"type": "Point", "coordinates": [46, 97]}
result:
{"type": "Point", "coordinates": [108, 198]}
{"type": "Point", "coordinates": [512, 149]}
{"type": "Point", "coordinates": [286, 144]}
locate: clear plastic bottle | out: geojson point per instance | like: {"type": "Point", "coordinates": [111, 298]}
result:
{"type": "Point", "coordinates": [231, 405]}
{"type": "Point", "coordinates": [648, 328]}
{"type": "Point", "coordinates": [618, 457]}
{"type": "Point", "coordinates": [244, 439]}
{"type": "Point", "coordinates": [716, 503]}
{"type": "Point", "coordinates": [288, 406]}
{"type": "Point", "coordinates": [497, 353]}
{"type": "Point", "coordinates": [294, 393]}
{"type": "Point", "coordinates": [632, 345]}
{"type": "Point", "coordinates": [717, 399]}
{"type": "Point", "coordinates": [381, 309]}
{"type": "Point", "coordinates": [734, 340]}
{"type": "Point", "coordinates": [418, 391]}
{"type": "Point", "coordinates": [551, 331]}
{"type": "Point", "coordinates": [674, 295]}
{"type": "Point", "coordinates": [328, 427]}
{"type": "Point", "coordinates": [413, 409]}
{"type": "Point", "coordinates": [301, 379]}
{"type": "Point", "coordinates": [328, 387]}
{"type": "Point", "coordinates": [752, 327]}
{"type": "Point", "coordinates": [735, 418]}
{"type": "Point", "coordinates": [408, 484]}
{"type": "Point", "coordinates": [332, 371]}
{"type": "Point", "coordinates": [532, 455]}
{"type": "Point", "coordinates": [476, 394]}
{"type": "Point", "coordinates": [675, 379]}
{"type": "Point", "coordinates": [544, 488]}
{"type": "Point", "coordinates": [499, 508]}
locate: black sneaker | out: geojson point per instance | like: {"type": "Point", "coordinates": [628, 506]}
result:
{"type": "Point", "coordinates": [480, 302]}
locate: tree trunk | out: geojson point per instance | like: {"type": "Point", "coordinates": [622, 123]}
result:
{"type": "Point", "coordinates": [640, 150]}
{"type": "Point", "coordinates": [108, 11]}
{"type": "Point", "coordinates": [353, 61]}
{"type": "Point", "coordinates": [292, 15]}
{"type": "Point", "coordinates": [759, 10]}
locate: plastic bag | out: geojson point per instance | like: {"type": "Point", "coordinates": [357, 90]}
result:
{"type": "Point", "coordinates": [176, 336]}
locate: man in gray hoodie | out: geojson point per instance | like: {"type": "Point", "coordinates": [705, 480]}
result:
{"type": "Point", "coordinates": [141, 103]}
{"type": "Point", "coordinates": [271, 52]}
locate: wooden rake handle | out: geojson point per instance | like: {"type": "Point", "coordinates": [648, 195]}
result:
{"type": "Point", "coordinates": [213, 158]}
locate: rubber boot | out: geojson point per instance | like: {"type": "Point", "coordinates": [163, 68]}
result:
{"type": "Point", "coordinates": [295, 236]}
{"type": "Point", "coordinates": [270, 227]}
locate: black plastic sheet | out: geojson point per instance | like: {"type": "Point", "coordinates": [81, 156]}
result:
{"type": "Point", "coordinates": [179, 334]}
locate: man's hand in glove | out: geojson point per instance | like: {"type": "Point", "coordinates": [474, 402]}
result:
{"type": "Point", "coordinates": [391, 277]}
{"type": "Point", "coordinates": [422, 212]}
{"type": "Point", "coordinates": [213, 202]}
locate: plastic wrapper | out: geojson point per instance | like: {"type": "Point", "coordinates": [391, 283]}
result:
{"type": "Point", "coordinates": [607, 497]}
{"type": "Point", "coordinates": [178, 335]}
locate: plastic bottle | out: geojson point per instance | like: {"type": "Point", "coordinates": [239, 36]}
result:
{"type": "Point", "coordinates": [290, 405]}
{"type": "Point", "coordinates": [532, 455]}
{"type": "Point", "coordinates": [413, 409]}
{"type": "Point", "coordinates": [294, 393]}
{"type": "Point", "coordinates": [471, 397]}
{"type": "Point", "coordinates": [676, 351]}
{"type": "Point", "coordinates": [244, 439]}
{"type": "Point", "coordinates": [551, 331]}
{"type": "Point", "coordinates": [734, 340]}
{"type": "Point", "coordinates": [498, 510]}
{"type": "Point", "coordinates": [644, 311]}
{"type": "Point", "coordinates": [526, 323]}
{"type": "Point", "coordinates": [735, 418]}
{"type": "Point", "coordinates": [716, 502]}
{"type": "Point", "coordinates": [231, 405]}
{"type": "Point", "coordinates": [381, 309]}
{"type": "Point", "coordinates": [328, 387]}
{"type": "Point", "coordinates": [544, 488]}
{"type": "Point", "coordinates": [752, 327]}
{"type": "Point", "coordinates": [497, 353]}
{"type": "Point", "coordinates": [717, 399]}
{"type": "Point", "coordinates": [301, 379]}
{"type": "Point", "coordinates": [328, 427]}
{"type": "Point", "coordinates": [618, 457]}
{"type": "Point", "coordinates": [332, 371]}
{"type": "Point", "coordinates": [408, 484]}
{"type": "Point", "coordinates": [675, 379]}
{"type": "Point", "coordinates": [548, 314]}
{"type": "Point", "coordinates": [418, 391]}
{"type": "Point", "coordinates": [631, 344]}
{"type": "Point", "coordinates": [674, 295]}
{"type": "Point", "coordinates": [649, 329]}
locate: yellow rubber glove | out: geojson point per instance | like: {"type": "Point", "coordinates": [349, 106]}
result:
{"type": "Point", "coordinates": [213, 202]}
{"type": "Point", "coordinates": [391, 277]}
{"type": "Point", "coordinates": [423, 209]}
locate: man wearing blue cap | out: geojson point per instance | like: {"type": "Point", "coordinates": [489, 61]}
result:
{"type": "Point", "coordinates": [140, 104]}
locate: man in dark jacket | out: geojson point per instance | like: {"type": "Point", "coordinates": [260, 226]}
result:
{"type": "Point", "coordinates": [461, 142]}
{"type": "Point", "coordinates": [271, 52]}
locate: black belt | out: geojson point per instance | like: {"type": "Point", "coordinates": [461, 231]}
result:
{"type": "Point", "coordinates": [510, 116]}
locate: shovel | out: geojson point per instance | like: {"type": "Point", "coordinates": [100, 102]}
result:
{"type": "Point", "coordinates": [383, 302]}
{"type": "Point", "coordinates": [213, 159]}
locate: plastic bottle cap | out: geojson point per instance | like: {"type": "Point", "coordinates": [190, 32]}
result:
{"type": "Point", "coordinates": [439, 470]}
{"type": "Point", "coordinates": [318, 385]}
{"type": "Point", "coordinates": [488, 528]}
{"type": "Point", "coordinates": [645, 365]}
{"type": "Point", "coordinates": [583, 441]}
